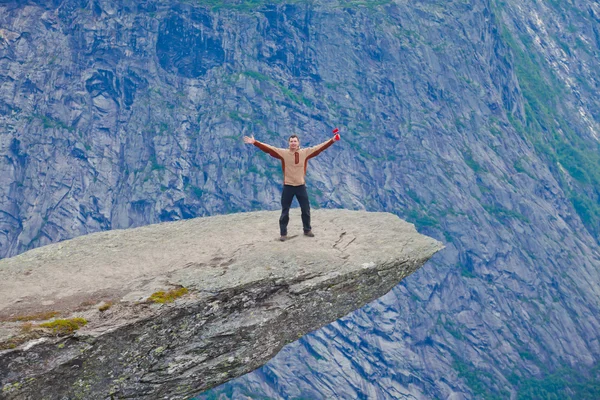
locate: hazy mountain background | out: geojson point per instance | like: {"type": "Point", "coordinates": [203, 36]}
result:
{"type": "Point", "coordinates": [478, 120]}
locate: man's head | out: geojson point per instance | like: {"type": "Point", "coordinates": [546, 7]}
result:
{"type": "Point", "coordinates": [294, 142]}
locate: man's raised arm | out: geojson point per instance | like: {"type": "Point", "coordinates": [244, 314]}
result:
{"type": "Point", "coordinates": [272, 151]}
{"type": "Point", "coordinates": [316, 150]}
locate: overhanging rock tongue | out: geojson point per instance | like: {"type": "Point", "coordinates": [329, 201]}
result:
{"type": "Point", "coordinates": [174, 309]}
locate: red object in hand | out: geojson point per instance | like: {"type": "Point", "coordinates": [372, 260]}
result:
{"type": "Point", "coordinates": [337, 135]}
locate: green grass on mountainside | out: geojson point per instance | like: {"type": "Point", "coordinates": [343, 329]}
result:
{"type": "Point", "coordinates": [552, 136]}
{"type": "Point", "coordinates": [477, 380]}
{"type": "Point", "coordinates": [564, 384]}
{"type": "Point", "coordinates": [241, 5]}
{"type": "Point", "coordinates": [252, 5]}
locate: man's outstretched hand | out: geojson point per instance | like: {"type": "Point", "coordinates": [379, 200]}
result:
{"type": "Point", "coordinates": [249, 140]}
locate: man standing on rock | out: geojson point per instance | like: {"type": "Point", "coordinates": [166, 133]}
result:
{"type": "Point", "coordinates": [294, 161]}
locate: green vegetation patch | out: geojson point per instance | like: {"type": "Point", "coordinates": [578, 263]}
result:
{"type": "Point", "coordinates": [51, 123]}
{"type": "Point", "coordinates": [167, 297]}
{"type": "Point", "coordinates": [15, 341]}
{"type": "Point", "coordinates": [454, 330]}
{"type": "Point", "coordinates": [155, 165]}
{"type": "Point", "coordinates": [421, 219]}
{"type": "Point", "coordinates": [10, 344]}
{"type": "Point", "coordinates": [503, 213]}
{"type": "Point", "coordinates": [290, 94]}
{"type": "Point", "coordinates": [239, 5]}
{"type": "Point", "coordinates": [565, 383]}
{"type": "Point", "coordinates": [257, 75]}
{"type": "Point", "coordinates": [553, 137]}
{"type": "Point", "coordinates": [474, 165]}
{"type": "Point", "coordinates": [254, 5]}
{"type": "Point", "coordinates": [64, 326]}
{"type": "Point", "coordinates": [477, 380]}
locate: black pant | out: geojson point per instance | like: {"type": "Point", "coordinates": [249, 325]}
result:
{"type": "Point", "coordinates": [287, 195]}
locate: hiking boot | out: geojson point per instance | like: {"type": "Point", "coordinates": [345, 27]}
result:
{"type": "Point", "coordinates": [283, 238]}
{"type": "Point", "coordinates": [309, 234]}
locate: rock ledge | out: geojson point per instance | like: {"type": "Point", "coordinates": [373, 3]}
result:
{"type": "Point", "coordinates": [248, 296]}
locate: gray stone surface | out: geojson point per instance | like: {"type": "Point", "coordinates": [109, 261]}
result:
{"type": "Point", "coordinates": [249, 295]}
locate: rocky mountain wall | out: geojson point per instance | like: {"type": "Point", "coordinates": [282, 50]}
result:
{"type": "Point", "coordinates": [477, 120]}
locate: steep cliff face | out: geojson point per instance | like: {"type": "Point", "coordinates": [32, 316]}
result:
{"type": "Point", "coordinates": [241, 296]}
{"type": "Point", "coordinates": [477, 120]}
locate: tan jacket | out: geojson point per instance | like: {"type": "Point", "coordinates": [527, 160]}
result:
{"type": "Point", "coordinates": [293, 164]}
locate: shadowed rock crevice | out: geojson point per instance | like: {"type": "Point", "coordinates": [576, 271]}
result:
{"type": "Point", "coordinates": [248, 296]}
{"type": "Point", "coordinates": [187, 50]}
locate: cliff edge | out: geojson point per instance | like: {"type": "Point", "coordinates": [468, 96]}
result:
{"type": "Point", "coordinates": [173, 309]}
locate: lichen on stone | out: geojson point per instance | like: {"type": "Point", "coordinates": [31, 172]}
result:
{"type": "Point", "coordinates": [64, 326]}
{"type": "Point", "coordinates": [167, 297]}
